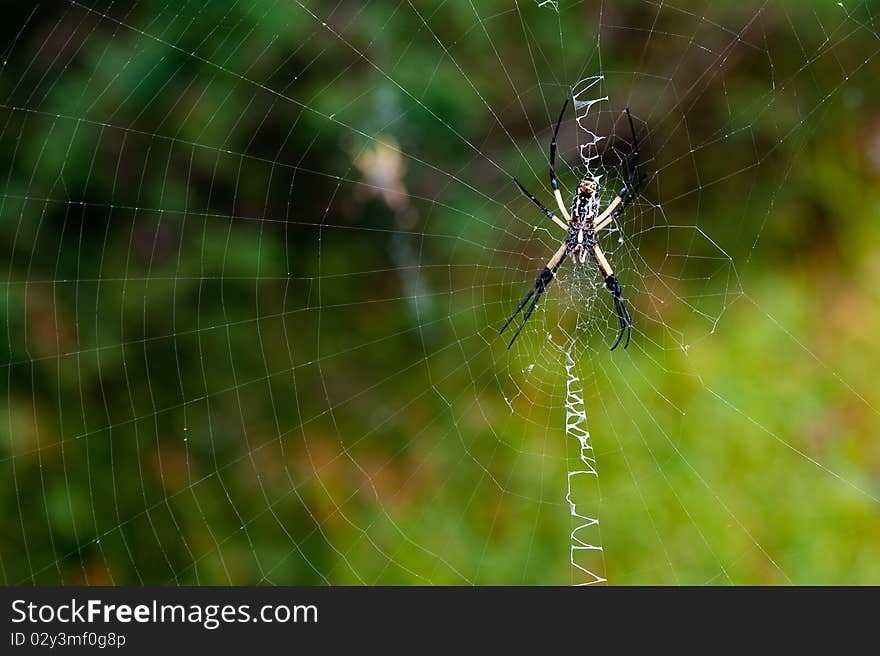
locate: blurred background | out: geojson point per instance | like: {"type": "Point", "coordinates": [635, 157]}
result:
{"type": "Point", "coordinates": [257, 255]}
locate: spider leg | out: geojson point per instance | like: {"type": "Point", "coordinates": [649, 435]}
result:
{"type": "Point", "coordinates": [634, 182]}
{"type": "Point", "coordinates": [611, 283]}
{"type": "Point", "coordinates": [631, 185]}
{"type": "Point", "coordinates": [548, 273]}
{"type": "Point", "coordinates": [554, 181]}
{"type": "Point", "coordinates": [547, 212]}
{"type": "Point", "coordinates": [634, 155]}
{"type": "Point", "coordinates": [616, 207]}
{"type": "Point", "coordinates": [620, 308]}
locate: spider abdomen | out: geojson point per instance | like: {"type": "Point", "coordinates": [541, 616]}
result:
{"type": "Point", "coordinates": [585, 204]}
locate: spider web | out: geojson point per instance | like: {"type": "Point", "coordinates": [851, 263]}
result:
{"type": "Point", "coordinates": [259, 254]}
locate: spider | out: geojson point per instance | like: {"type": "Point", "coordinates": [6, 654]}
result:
{"type": "Point", "coordinates": [582, 225]}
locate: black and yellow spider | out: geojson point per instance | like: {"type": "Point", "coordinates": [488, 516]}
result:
{"type": "Point", "coordinates": [582, 225]}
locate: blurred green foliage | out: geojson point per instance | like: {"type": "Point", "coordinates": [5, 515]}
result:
{"type": "Point", "coordinates": [258, 253]}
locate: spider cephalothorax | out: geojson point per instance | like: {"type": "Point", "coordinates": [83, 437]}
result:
{"type": "Point", "coordinates": [582, 224]}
